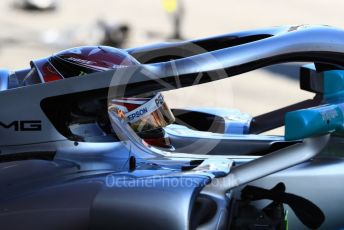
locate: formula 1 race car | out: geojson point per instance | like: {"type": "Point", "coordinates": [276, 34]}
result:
{"type": "Point", "coordinates": [89, 142]}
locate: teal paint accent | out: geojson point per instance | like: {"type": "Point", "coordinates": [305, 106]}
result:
{"type": "Point", "coordinates": [322, 119]}
{"type": "Point", "coordinates": [333, 84]}
{"type": "Point", "coordinates": [314, 121]}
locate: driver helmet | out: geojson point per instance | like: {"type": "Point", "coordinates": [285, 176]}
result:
{"type": "Point", "coordinates": [147, 116]}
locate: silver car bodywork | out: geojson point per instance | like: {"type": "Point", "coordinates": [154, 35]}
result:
{"type": "Point", "coordinates": [51, 181]}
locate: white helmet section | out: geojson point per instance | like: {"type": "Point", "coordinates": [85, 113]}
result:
{"type": "Point", "coordinates": [147, 108]}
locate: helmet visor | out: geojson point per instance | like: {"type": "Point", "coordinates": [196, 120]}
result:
{"type": "Point", "coordinates": [152, 115]}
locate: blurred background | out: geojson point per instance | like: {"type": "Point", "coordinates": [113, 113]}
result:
{"type": "Point", "coordinates": [33, 29]}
